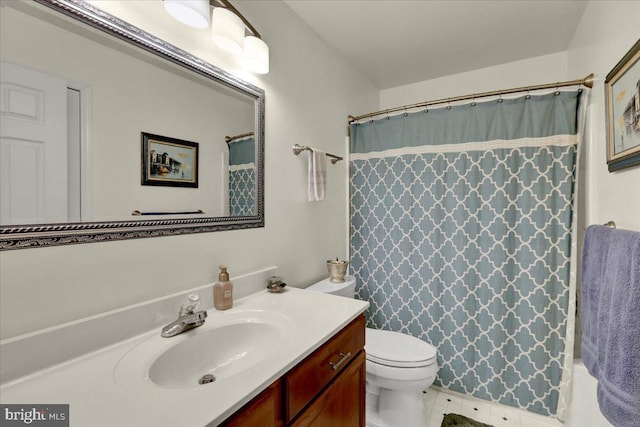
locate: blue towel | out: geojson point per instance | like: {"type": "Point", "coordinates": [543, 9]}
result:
{"type": "Point", "coordinates": [610, 289]}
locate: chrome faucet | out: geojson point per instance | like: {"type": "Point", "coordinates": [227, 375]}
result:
{"type": "Point", "coordinates": [188, 318]}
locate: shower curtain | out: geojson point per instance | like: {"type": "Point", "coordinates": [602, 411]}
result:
{"type": "Point", "coordinates": [242, 177]}
{"type": "Point", "coordinates": [461, 235]}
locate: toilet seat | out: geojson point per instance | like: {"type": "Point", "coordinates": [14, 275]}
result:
{"type": "Point", "coordinates": [398, 350]}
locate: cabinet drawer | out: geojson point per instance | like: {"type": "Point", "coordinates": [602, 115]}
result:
{"type": "Point", "coordinates": [307, 379]}
{"type": "Point", "coordinates": [342, 404]}
{"type": "Point", "coordinates": [265, 410]}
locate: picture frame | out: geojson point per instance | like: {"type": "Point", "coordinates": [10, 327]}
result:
{"type": "Point", "coordinates": [622, 96]}
{"type": "Point", "coordinates": [169, 162]}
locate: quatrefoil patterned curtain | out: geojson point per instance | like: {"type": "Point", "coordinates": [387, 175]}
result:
{"type": "Point", "coordinates": [242, 177]}
{"type": "Point", "coordinates": [461, 235]}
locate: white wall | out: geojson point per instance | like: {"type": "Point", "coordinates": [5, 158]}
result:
{"type": "Point", "coordinates": [606, 32]}
{"type": "Point", "coordinates": [528, 72]}
{"type": "Point", "coordinates": [310, 91]}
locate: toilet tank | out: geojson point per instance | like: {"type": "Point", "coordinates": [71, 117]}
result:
{"type": "Point", "coordinates": [345, 289]}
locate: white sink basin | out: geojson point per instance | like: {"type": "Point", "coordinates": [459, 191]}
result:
{"type": "Point", "coordinates": [228, 344]}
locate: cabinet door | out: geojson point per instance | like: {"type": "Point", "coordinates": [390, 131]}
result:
{"type": "Point", "coordinates": [342, 404]}
{"type": "Point", "coordinates": [304, 382]}
{"type": "Point", "coordinates": [265, 410]}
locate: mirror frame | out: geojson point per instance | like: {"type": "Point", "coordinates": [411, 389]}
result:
{"type": "Point", "coordinates": [43, 235]}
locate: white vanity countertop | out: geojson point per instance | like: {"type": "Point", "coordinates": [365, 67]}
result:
{"type": "Point", "coordinates": [88, 384]}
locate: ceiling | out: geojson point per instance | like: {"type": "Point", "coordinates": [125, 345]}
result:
{"type": "Point", "coordinates": [397, 42]}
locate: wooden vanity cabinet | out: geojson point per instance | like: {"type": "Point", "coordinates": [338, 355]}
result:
{"type": "Point", "coordinates": [328, 388]}
{"type": "Point", "coordinates": [304, 382]}
{"type": "Point", "coordinates": [265, 410]}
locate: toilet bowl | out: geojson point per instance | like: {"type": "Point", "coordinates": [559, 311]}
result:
{"type": "Point", "coordinates": [399, 367]}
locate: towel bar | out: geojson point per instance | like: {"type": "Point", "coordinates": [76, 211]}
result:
{"type": "Point", "coordinates": [297, 149]}
{"type": "Point", "coordinates": [138, 213]}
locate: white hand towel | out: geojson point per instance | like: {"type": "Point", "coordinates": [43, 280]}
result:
{"type": "Point", "coordinates": [317, 179]}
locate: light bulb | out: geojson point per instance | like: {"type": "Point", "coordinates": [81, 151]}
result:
{"type": "Point", "coordinates": [194, 13]}
{"type": "Point", "coordinates": [256, 55]}
{"type": "Point", "coordinates": [227, 30]}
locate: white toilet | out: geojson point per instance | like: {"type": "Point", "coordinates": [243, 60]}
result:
{"type": "Point", "coordinates": [399, 368]}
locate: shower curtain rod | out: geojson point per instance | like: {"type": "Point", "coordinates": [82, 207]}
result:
{"type": "Point", "coordinates": [587, 82]}
{"type": "Point", "coordinates": [228, 139]}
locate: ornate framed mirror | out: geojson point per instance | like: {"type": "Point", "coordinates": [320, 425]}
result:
{"type": "Point", "coordinates": [101, 86]}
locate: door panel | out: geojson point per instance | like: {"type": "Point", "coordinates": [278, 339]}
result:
{"type": "Point", "coordinates": [33, 146]}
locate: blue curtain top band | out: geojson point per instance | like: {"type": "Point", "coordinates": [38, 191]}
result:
{"type": "Point", "coordinates": [507, 119]}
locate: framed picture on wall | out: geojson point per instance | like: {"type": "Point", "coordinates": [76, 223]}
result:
{"type": "Point", "coordinates": [169, 161]}
{"type": "Point", "coordinates": [622, 92]}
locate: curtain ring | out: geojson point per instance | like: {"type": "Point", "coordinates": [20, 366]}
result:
{"type": "Point", "coordinates": [387, 114]}
{"type": "Point", "coordinates": [473, 100]}
{"type": "Point", "coordinates": [500, 98]}
{"type": "Point", "coordinates": [557, 92]}
{"type": "Point", "coordinates": [371, 118]}
{"type": "Point", "coordinates": [527, 96]}
{"type": "Point", "coordinates": [449, 104]}
{"type": "Point", "coordinates": [405, 112]}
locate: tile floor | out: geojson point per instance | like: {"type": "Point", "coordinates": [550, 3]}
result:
{"type": "Point", "coordinates": [439, 402]}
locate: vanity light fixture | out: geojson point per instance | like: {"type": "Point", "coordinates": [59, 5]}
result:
{"type": "Point", "coordinates": [256, 55]}
{"type": "Point", "coordinates": [228, 28]}
{"type": "Point", "coordinates": [194, 13]}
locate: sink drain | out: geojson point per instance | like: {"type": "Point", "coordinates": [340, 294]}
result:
{"type": "Point", "coordinates": [206, 379]}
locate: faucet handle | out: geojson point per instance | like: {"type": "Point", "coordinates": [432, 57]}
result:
{"type": "Point", "coordinates": [190, 304]}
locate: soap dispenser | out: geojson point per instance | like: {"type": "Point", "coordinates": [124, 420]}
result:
{"type": "Point", "coordinates": [223, 291]}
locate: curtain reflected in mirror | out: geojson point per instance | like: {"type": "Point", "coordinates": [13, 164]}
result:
{"type": "Point", "coordinates": [242, 184]}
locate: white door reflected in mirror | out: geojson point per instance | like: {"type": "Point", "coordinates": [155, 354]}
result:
{"type": "Point", "coordinates": [33, 147]}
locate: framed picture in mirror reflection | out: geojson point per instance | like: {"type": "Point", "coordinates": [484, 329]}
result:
{"type": "Point", "coordinates": [169, 162]}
